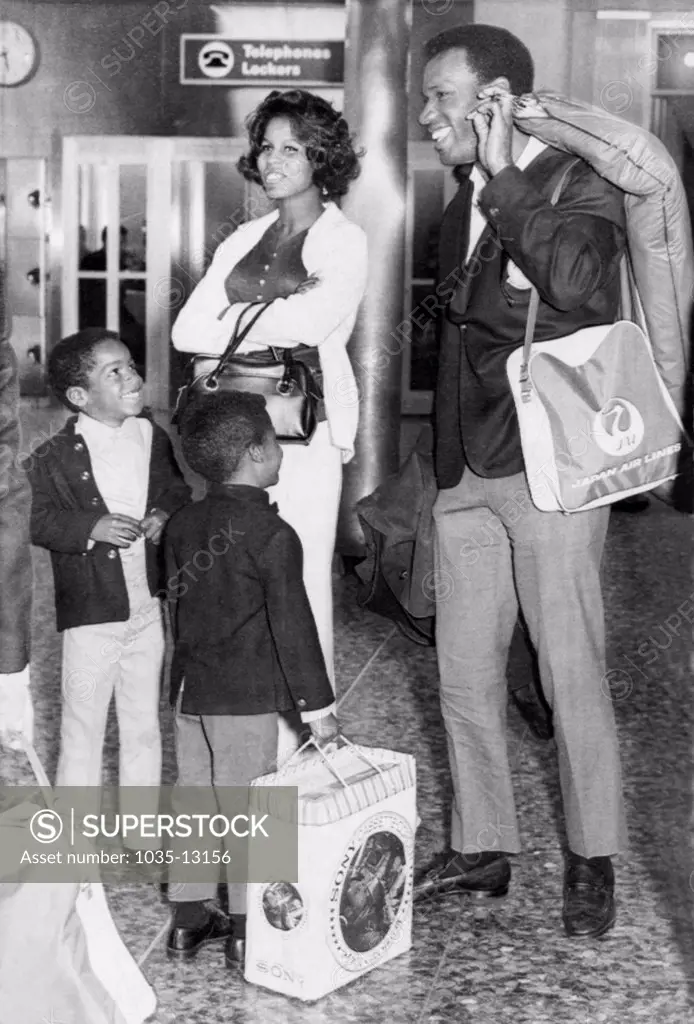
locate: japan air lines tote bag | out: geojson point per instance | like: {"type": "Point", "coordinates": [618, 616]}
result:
{"type": "Point", "coordinates": [596, 421]}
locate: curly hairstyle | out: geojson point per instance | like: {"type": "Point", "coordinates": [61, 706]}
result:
{"type": "Point", "coordinates": [317, 126]}
{"type": "Point", "coordinates": [491, 52]}
{"type": "Point", "coordinates": [72, 360]}
{"type": "Point", "coordinates": [218, 430]}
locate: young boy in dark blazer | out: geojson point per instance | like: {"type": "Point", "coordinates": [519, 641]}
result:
{"type": "Point", "coordinates": [246, 644]}
{"type": "Point", "coordinates": [103, 489]}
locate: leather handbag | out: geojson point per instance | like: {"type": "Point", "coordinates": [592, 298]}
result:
{"type": "Point", "coordinates": [290, 390]}
{"type": "Point", "coordinates": [597, 423]}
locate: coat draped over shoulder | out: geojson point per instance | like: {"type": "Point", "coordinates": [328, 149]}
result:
{"type": "Point", "coordinates": [658, 226]}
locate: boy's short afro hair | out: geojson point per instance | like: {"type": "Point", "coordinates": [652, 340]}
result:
{"type": "Point", "coordinates": [217, 430]}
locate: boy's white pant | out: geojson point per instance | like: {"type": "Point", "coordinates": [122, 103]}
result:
{"type": "Point", "coordinates": [308, 498]}
{"type": "Point", "coordinates": [121, 658]}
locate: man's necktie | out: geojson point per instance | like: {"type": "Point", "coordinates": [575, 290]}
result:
{"type": "Point", "coordinates": [453, 241]}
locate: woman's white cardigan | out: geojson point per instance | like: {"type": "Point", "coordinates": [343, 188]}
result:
{"type": "Point", "coordinates": [335, 253]}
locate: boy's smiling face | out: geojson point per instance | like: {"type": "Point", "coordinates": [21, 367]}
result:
{"type": "Point", "coordinates": [114, 392]}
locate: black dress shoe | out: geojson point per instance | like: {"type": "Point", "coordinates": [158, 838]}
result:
{"type": "Point", "coordinates": [534, 711]}
{"type": "Point", "coordinates": [235, 951]}
{"type": "Point", "coordinates": [450, 876]}
{"type": "Point", "coordinates": [589, 907]}
{"type": "Point", "coordinates": [184, 943]}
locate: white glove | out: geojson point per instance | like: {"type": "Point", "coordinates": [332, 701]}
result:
{"type": "Point", "coordinates": [16, 710]}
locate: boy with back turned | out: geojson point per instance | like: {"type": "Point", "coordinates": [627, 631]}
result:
{"type": "Point", "coordinates": [246, 644]}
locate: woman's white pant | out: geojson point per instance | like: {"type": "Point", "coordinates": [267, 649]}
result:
{"type": "Point", "coordinates": [308, 498]}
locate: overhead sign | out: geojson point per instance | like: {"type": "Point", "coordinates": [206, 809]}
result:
{"type": "Point", "coordinates": [217, 60]}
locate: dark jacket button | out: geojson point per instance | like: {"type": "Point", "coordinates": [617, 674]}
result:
{"type": "Point", "coordinates": [85, 474]}
{"type": "Point", "coordinates": [95, 501]}
{"type": "Point", "coordinates": [301, 703]}
{"type": "Point", "coordinates": [112, 553]}
{"type": "Point", "coordinates": [79, 447]}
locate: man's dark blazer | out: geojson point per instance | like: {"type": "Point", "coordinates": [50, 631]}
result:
{"type": "Point", "coordinates": [66, 504]}
{"type": "Point", "coordinates": [569, 252]}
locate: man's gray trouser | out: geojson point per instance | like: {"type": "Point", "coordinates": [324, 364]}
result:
{"type": "Point", "coordinates": [494, 551]}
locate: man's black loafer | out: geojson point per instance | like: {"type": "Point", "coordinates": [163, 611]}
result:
{"type": "Point", "coordinates": [449, 875]}
{"type": "Point", "coordinates": [589, 906]}
{"type": "Point", "coordinates": [184, 943]}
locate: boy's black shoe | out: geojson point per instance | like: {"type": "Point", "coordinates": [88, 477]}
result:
{"type": "Point", "coordinates": [185, 940]}
{"type": "Point", "coordinates": [235, 947]}
{"type": "Point", "coordinates": [589, 906]}
{"type": "Point", "coordinates": [485, 874]}
{"type": "Point", "coordinates": [235, 951]}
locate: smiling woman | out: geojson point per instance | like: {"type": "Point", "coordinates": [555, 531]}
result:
{"type": "Point", "coordinates": [309, 263]}
{"type": "Point", "coordinates": [283, 165]}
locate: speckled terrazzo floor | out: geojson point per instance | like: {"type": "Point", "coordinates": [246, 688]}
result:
{"type": "Point", "coordinates": [502, 960]}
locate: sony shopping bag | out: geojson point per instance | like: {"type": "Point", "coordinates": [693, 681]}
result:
{"type": "Point", "coordinates": [350, 910]}
{"type": "Point", "coordinates": [61, 957]}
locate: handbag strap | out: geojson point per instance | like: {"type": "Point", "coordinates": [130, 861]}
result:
{"type": "Point", "coordinates": [533, 306]}
{"type": "Point", "coordinates": [239, 334]}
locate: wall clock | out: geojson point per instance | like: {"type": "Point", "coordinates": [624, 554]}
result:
{"type": "Point", "coordinates": [19, 56]}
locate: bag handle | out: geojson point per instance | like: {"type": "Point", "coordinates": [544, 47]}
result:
{"type": "Point", "coordinates": [533, 306]}
{"type": "Point", "coordinates": [311, 741]}
{"type": "Point", "coordinates": [238, 335]}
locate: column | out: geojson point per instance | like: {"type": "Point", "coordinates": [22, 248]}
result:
{"type": "Point", "coordinates": [376, 81]}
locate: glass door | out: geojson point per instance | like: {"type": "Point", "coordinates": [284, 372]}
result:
{"type": "Point", "coordinates": [116, 210]}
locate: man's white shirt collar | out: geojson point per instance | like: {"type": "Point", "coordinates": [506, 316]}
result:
{"type": "Point", "coordinates": [532, 149]}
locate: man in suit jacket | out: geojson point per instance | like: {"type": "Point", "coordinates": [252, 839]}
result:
{"type": "Point", "coordinates": [501, 235]}
{"type": "Point", "coordinates": [16, 709]}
